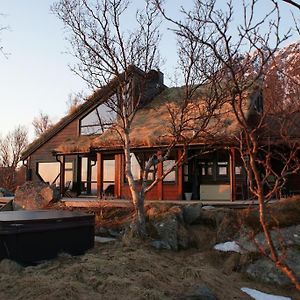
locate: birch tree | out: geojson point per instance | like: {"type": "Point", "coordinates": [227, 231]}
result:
{"type": "Point", "coordinates": [243, 55]}
{"type": "Point", "coordinates": [106, 49]}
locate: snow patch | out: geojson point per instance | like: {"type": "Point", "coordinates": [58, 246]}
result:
{"type": "Point", "coordinates": [257, 295]}
{"type": "Point", "coordinates": [228, 246]}
{"type": "Point", "coordinates": [100, 239]}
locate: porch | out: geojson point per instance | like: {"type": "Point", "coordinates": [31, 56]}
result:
{"type": "Point", "coordinates": [94, 202]}
{"type": "Point", "coordinates": [217, 176]}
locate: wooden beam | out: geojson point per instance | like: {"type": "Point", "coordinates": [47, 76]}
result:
{"type": "Point", "coordinates": [99, 175]}
{"type": "Point", "coordinates": [78, 176]}
{"type": "Point", "coordinates": [62, 176]}
{"type": "Point", "coordinates": [159, 174]}
{"type": "Point", "coordinates": [232, 174]}
{"type": "Point", "coordinates": [118, 175]}
{"type": "Point", "coordinates": [179, 176]}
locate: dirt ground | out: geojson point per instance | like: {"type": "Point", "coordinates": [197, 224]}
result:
{"type": "Point", "coordinates": [116, 271]}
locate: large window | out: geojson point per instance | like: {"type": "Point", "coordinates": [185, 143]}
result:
{"type": "Point", "coordinates": [69, 173]}
{"type": "Point", "coordinates": [49, 172]}
{"type": "Point", "coordinates": [168, 164]}
{"type": "Point", "coordinates": [108, 176]}
{"type": "Point", "coordinates": [135, 167]}
{"type": "Point", "coordinates": [98, 120]}
{"type": "Point", "coordinates": [138, 162]}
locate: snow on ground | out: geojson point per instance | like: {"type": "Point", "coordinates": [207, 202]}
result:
{"type": "Point", "coordinates": [228, 246]}
{"type": "Point", "coordinates": [101, 239]}
{"type": "Point", "coordinates": [257, 295]}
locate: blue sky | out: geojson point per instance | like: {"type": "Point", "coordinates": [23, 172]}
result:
{"type": "Point", "coordinates": [36, 77]}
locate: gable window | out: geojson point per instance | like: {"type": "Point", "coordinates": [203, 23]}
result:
{"type": "Point", "coordinates": [98, 120]}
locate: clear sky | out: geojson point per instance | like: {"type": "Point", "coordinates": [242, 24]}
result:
{"type": "Point", "coordinates": [36, 77]}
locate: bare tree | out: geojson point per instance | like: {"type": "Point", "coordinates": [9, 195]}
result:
{"type": "Point", "coordinates": [2, 29]}
{"type": "Point", "coordinates": [293, 3]}
{"type": "Point", "coordinates": [264, 135]}
{"type": "Point", "coordinates": [41, 124]}
{"type": "Point", "coordinates": [107, 50]}
{"type": "Point", "coordinates": [74, 101]}
{"type": "Point", "coordinates": [11, 147]}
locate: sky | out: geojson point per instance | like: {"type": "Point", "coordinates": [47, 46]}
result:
{"type": "Point", "coordinates": [35, 77]}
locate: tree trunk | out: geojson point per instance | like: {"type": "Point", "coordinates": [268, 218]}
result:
{"type": "Point", "coordinates": [137, 197]}
{"type": "Point", "coordinates": [281, 265]}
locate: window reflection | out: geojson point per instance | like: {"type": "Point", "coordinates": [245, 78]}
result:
{"type": "Point", "coordinates": [98, 120]}
{"type": "Point", "coordinates": [49, 172]}
{"type": "Point", "coordinates": [166, 166]}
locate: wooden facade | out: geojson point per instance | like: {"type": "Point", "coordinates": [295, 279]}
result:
{"type": "Point", "coordinates": [99, 172]}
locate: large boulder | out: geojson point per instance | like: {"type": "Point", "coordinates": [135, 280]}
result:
{"type": "Point", "coordinates": [265, 270]}
{"type": "Point", "coordinates": [34, 195]}
{"type": "Point", "coordinates": [167, 227]}
{"type": "Point", "coordinates": [192, 213]}
{"type": "Point", "coordinates": [199, 292]}
{"type": "Point", "coordinates": [166, 230]}
{"type": "Point", "coordinates": [289, 236]}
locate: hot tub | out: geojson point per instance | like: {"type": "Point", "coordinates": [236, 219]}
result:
{"type": "Point", "coordinates": [30, 236]}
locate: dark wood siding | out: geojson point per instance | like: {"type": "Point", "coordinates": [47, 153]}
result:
{"type": "Point", "coordinates": [44, 153]}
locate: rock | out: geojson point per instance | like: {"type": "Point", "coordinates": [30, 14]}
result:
{"type": "Point", "coordinates": [289, 236]}
{"type": "Point", "coordinates": [176, 211]}
{"type": "Point", "coordinates": [102, 231]}
{"type": "Point", "coordinates": [161, 245]}
{"type": "Point", "coordinates": [192, 213]}
{"type": "Point", "coordinates": [34, 195]}
{"type": "Point", "coordinates": [202, 237]}
{"type": "Point", "coordinates": [200, 292]}
{"type": "Point", "coordinates": [9, 267]}
{"type": "Point", "coordinates": [167, 231]}
{"type": "Point", "coordinates": [114, 233]}
{"type": "Point", "coordinates": [264, 269]}
{"type": "Point", "coordinates": [227, 226]}
{"type": "Point", "coordinates": [152, 212]}
{"type": "Point", "coordinates": [208, 207]}
{"type": "Point", "coordinates": [183, 237]}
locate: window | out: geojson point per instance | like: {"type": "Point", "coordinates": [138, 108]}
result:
{"type": "Point", "coordinates": [222, 168]}
{"type": "Point", "coordinates": [171, 177]}
{"type": "Point", "coordinates": [135, 167]}
{"type": "Point", "coordinates": [238, 170]}
{"type": "Point", "coordinates": [186, 172]}
{"type": "Point", "coordinates": [49, 172]}
{"type": "Point", "coordinates": [69, 172]}
{"type": "Point", "coordinates": [108, 175]}
{"type": "Point", "coordinates": [98, 120]}
{"type": "Point", "coordinates": [207, 168]}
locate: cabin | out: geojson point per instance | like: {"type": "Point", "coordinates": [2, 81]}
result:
{"type": "Point", "coordinates": [83, 158]}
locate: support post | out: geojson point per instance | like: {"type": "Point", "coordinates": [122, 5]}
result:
{"type": "Point", "coordinates": [62, 176]}
{"type": "Point", "coordinates": [78, 176]}
{"type": "Point", "coordinates": [159, 174]}
{"type": "Point", "coordinates": [118, 175]}
{"type": "Point", "coordinates": [99, 175]}
{"type": "Point", "coordinates": [232, 174]}
{"type": "Point", "coordinates": [179, 176]}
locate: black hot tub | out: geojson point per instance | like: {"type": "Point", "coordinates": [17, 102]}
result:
{"type": "Point", "coordinates": [30, 236]}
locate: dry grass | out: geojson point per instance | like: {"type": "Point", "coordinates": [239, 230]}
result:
{"type": "Point", "coordinates": [117, 272]}
{"type": "Point", "coordinates": [283, 213]}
